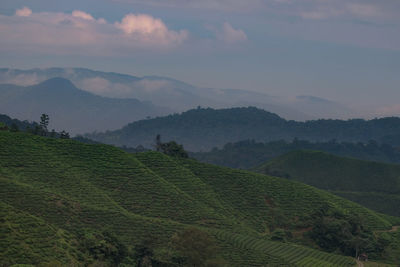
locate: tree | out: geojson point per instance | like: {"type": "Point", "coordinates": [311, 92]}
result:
{"type": "Point", "coordinates": [144, 253]}
{"type": "Point", "coordinates": [196, 247]}
{"type": "Point", "coordinates": [171, 148]}
{"type": "Point", "coordinates": [44, 122]}
{"type": "Point", "coordinates": [64, 135]}
{"type": "Point", "coordinates": [14, 128]}
{"type": "Point", "coordinates": [3, 127]}
{"type": "Point", "coordinates": [158, 144]}
{"type": "Point", "coordinates": [36, 130]}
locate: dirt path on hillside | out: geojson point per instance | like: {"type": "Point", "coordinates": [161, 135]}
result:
{"type": "Point", "coordinates": [394, 229]}
{"type": "Point", "coordinates": [359, 263]}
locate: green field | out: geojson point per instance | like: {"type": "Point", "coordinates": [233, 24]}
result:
{"type": "Point", "coordinates": [69, 203]}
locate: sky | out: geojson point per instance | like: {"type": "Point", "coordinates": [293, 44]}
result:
{"type": "Point", "coordinates": [346, 51]}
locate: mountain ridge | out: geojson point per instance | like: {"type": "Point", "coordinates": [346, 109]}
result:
{"type": "Point", "coordinates": [202, 129]}
{"type": "Point", "coordinates": [174, 94]}
{"type": "Point", "coordinates": [70, 108]}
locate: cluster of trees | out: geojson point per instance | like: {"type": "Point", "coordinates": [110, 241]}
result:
{"type": "Point", "coordinates": [40, 128]}
{"type": "Point", "coordinates": [346, 232]}
{"type": "Point", "coordinates": [16, 125]}
{"type": "Point", "coordinates": [170, 148]}
{"type": "Point", "coordinates": [190, 247]}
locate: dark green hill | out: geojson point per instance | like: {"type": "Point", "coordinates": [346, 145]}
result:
{"type": "Point", "coordinates": [249, 154]}
{"type": "Point", "coordinates": [373, 184]}
{"type": "Point", "coordinates": [21, 125]}
{"type": "Point", "coordinates": [203, 129]}
{"type": "Point", "coordinates": [69, 203]}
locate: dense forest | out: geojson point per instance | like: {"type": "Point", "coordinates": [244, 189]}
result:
{"type": "Point", "coordinates": [202, 129]}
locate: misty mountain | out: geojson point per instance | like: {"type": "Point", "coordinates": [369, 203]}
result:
{"type": "Point", "coordinates": [70, 108]}
{"type": "Point", "coordinates": [177, 95]}
{"type": "Point", "coordinates": [203, 129]}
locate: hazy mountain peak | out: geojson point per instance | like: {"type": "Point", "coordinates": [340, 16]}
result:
{"type": "Point", "coordinates": [57, 82]}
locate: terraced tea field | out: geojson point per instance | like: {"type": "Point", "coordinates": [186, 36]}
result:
{"type": "Point", "coordinates": [374, 185]}
{"type": "Point", "coordinates": [59, 197]}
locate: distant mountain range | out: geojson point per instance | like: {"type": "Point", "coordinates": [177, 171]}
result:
{"type": "Point", "coordinates": [179, 96]}
{"type": "Point", "coordinates": [202, 129]}
{"type": "Point", "coordinates": [70, 108]}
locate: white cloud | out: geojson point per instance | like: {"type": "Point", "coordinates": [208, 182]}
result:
{"type": "Point", "coordinates": [138, 89]}
{"type": "Point", "coordinates": [82, 15]}
{"type": "Point", "coordinates": [19, 79]}
{"type": "Point", "coordinates": [149, 29]}
{"type": "Point", "coordinates": [229, 34]}
{"type": "Point", "coordinates": [23, 12]}
{"type": "Point", "coordinates": [80, 33]}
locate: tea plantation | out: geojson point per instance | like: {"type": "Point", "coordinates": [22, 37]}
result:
{"type": "Point", "coordinates": [69, 203]}
{"type": "Point", "coordinates": [372, 184]}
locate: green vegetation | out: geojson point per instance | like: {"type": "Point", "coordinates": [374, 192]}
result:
{"type": "Point", "coordinates": [69, 203]}
{"type": "Point", "coordinates": [372, 184]}
{"type": "Point", "coordinates": [171, 148]}
{"type": "Point", "coordinates": [202, 129]}
{"type": "Point", "coordinates": [249, 153]}
{"type": "Point", "coordinates": [17, 124]}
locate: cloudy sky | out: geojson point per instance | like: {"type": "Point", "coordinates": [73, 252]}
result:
{"type": "Point", "coordinates": [347, 51]}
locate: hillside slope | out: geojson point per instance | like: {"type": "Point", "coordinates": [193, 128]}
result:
{"type": "Point", "coordinates": [248, 154]}
{"type": "Point", "coordinates": [202, 129]}
{"type": "Point", "coordinates": [70, 108]}
{"type": "Point", "coordinates": [64, 202]}
{"type": "Point", "coordinates": [373, 184]}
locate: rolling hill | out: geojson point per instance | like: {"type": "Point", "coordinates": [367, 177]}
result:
{"type": "Point", "coordinates": [68, 203]}
{"type": "Point", "coordinates": [248, 154]}
{"type": "Point", "coordinates": [70, 108]}
{"type": "Point", "coordinates": [202, 129]}
{"type": "Point", "coordinates": [371, 184]}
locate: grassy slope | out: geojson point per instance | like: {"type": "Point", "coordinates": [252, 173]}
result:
{"type": "Point", "coordinates": [372, 184]}
{"type": "Point", "coordinates": [51, 190]}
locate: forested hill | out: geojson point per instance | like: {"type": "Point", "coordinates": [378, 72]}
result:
{"type": "Point", "coordinates": [203, 129]}
{"type": "Point", "coordinates": [21, 125]}
{"type": "Point", "coordinates": [65, 203]}
{"type": "Point", "coordinates": [248, 154]}
{"type": "Point", "coordinates": [372, 184]}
